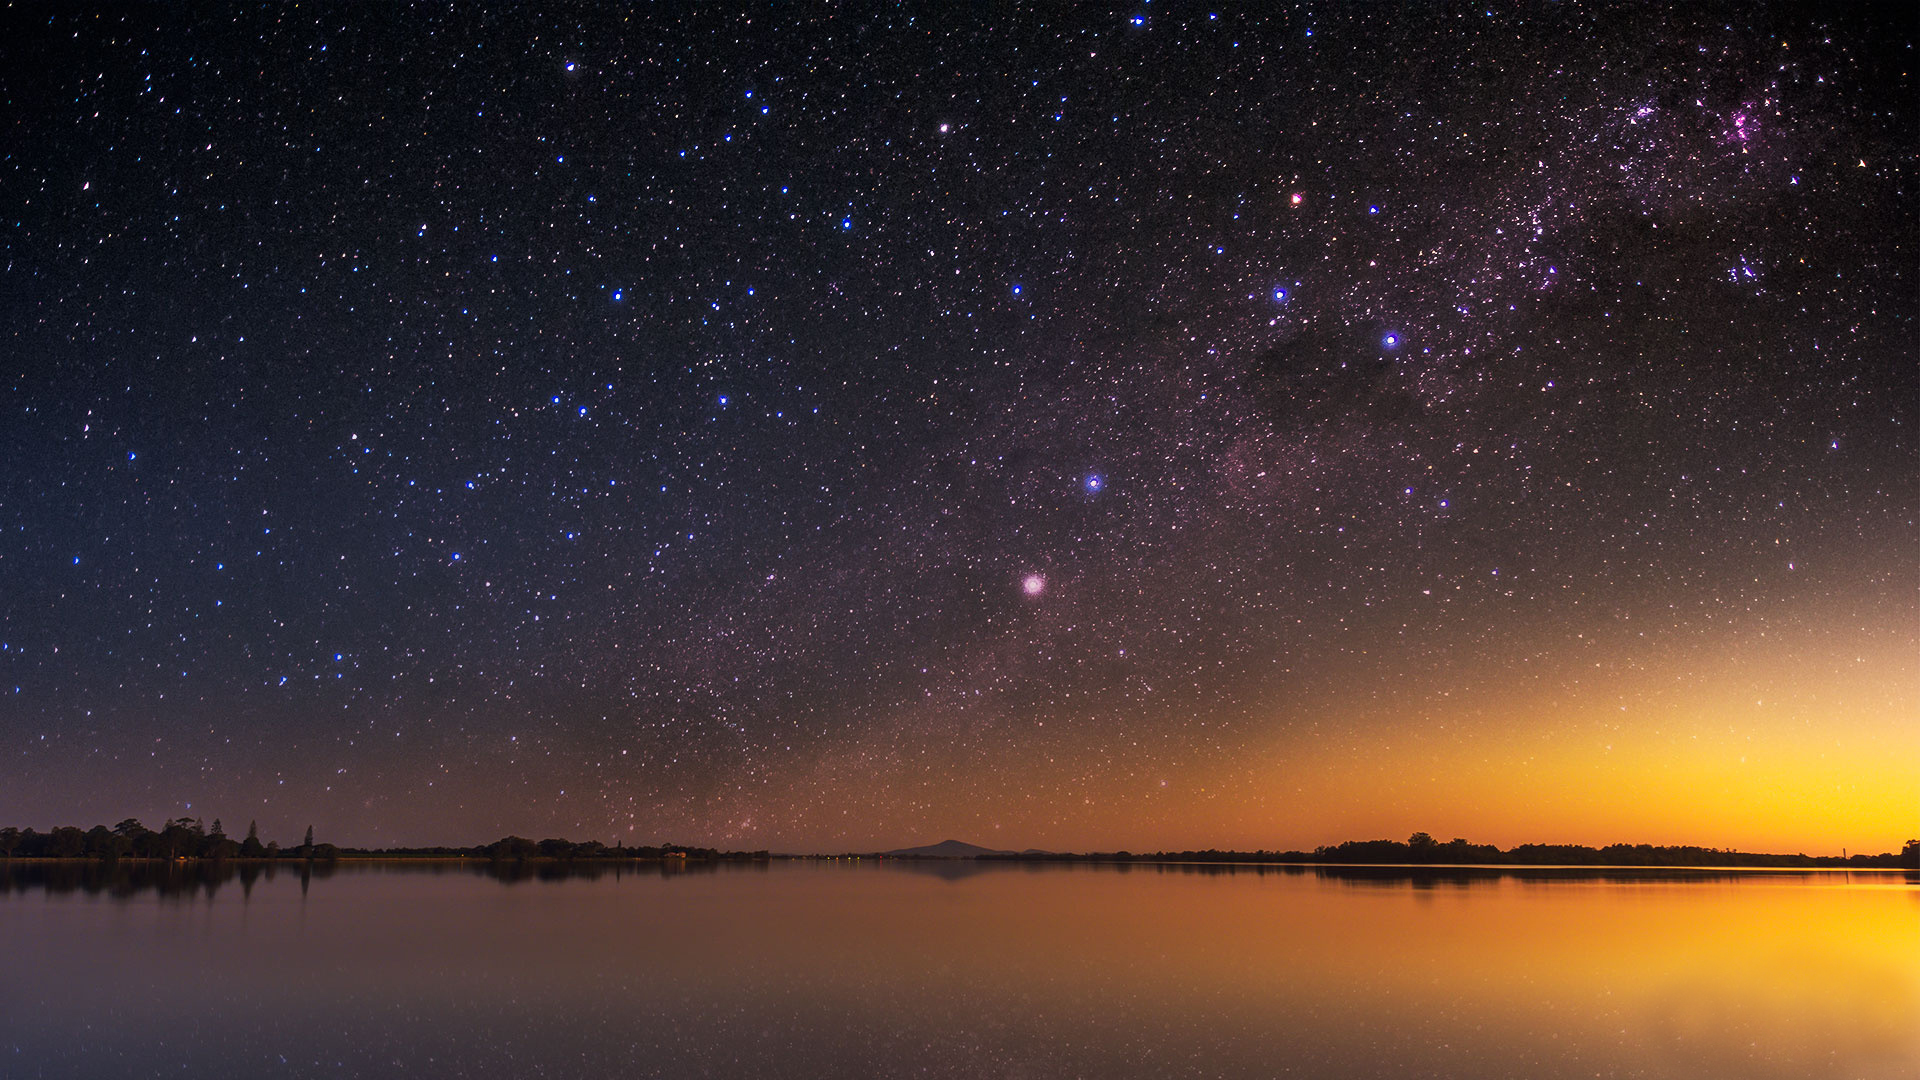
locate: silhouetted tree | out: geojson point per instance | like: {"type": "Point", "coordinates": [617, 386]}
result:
{"type": "Point", "coordinates": [512, 847]}
{"type": "Point", "coordinates": [222, 847]}
{"type": "Point", "coordinates": [104, 843]}
{"type": "Point", "coordinates": [148, 844]}
{"type": "Point", "coordinates": [1910, 855]}
{"type": "Point", "coordinates": [66, 842]}
{"type": "Point", "coordinates": [1459, 851]}
{"type": "Point", "coordinates": [251, 847]}
{"type": "Point", "coordinates": [178, 839]}
{"type": "Point", "coordinates": [1421, 847]}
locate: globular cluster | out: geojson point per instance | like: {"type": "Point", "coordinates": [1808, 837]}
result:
{"type": "Point", "coordinates": [805, 427]}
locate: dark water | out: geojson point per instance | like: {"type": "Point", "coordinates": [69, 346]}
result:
{"type": "Point", "coordinates": [961, 970]}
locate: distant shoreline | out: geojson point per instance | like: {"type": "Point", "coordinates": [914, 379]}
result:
{"type": "Point", "coordinates": [299, 864]}
{"type": "Point", "coordinates": [1886, 862]}
{"type": "Point", "coordinates": [185, 840]}
{"type": "Point", "coordinates": [1422, 850]}
{"type": "Point", "coordinates": [1830, 864]}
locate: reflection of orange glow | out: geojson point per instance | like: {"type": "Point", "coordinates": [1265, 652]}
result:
{"type": "Point", "coordinates": [839, 969]}
{"type": "Point", "coordinates": [1817, 976]}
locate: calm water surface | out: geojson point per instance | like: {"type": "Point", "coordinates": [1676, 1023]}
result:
{"type": "Point", "coordinates": [812, 969]}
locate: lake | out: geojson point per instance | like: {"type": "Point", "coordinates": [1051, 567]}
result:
{"type": "Point", "coordinates": [822, 969]}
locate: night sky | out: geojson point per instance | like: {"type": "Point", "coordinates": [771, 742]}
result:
{"type": "Point", "coordinates": [817, 428]}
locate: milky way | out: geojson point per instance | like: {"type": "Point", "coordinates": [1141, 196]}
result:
{"type": "Point", "coordinates": [819, 428]}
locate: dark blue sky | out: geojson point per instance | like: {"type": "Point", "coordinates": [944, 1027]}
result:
{"type": "Point", "coordinates": [784, 426]}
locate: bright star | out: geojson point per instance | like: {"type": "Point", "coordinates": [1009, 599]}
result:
{"type": "Point", "coordinates": [1095, 482]}
{"type": "Point", "coordinates": [1033, 584]}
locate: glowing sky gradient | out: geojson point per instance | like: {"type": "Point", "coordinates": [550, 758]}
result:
{"type": "Point", "coordinates": [821, 431]}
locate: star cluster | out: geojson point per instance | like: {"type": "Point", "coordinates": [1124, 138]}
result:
{"type": "Point", "coordinates": [808, 428]}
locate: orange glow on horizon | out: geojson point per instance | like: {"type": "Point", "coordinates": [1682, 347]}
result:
{"type": "Point", "coordinates": [1803, 743]}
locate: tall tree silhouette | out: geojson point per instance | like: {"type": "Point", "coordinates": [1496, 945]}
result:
{"type": "Point", "coordinates": [1421, 846]}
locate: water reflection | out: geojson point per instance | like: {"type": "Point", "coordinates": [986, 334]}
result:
{"type": "Point", "coordinates": [127, 878]}
{"type": "Point", "coordinates": [206, 879]}
{"type": "Point", "coordinates": [954, 969]}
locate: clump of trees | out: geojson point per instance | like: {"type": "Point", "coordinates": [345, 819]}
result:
{"type": "Point", "coordinates": [179, 838]}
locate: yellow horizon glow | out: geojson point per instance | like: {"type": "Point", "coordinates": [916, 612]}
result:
{"type": "Point", "coordinates": [1803, 742]}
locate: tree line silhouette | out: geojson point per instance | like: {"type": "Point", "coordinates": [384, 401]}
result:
{"type": "Point", "coordinates": [1420, 848]}
{"type": "Point", "coordinates": [188, 838]}
{"type": "Point", "coordinates": [179, 838]}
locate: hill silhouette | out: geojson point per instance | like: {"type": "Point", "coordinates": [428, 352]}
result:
{"type": "Point", "coordinates": [946, 849]}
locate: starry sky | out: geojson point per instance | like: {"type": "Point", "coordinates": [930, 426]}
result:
{"type": "Point", "coordinates": [825, 427]}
